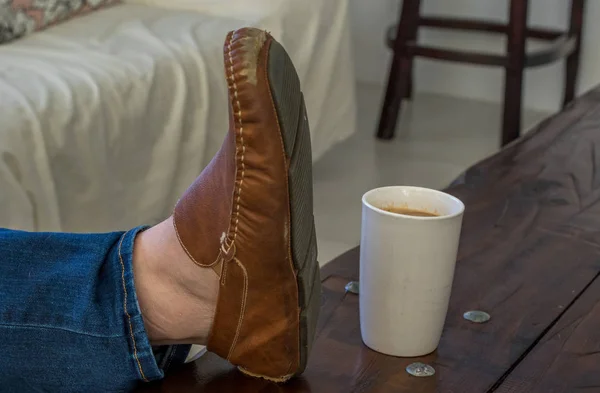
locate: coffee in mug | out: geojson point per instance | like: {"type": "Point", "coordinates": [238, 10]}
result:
{"type": "Point", "coordinates": [409, 212]}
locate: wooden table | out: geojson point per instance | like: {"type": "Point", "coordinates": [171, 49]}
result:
{"type": "Point", "coordinates": [529, 256]}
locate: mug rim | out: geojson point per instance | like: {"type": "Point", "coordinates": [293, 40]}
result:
{"type": "Point", "coordinates": [460, 204]}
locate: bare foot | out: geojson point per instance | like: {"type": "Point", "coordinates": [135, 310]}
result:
{"type": "Point", "coordinates": [177, 298]}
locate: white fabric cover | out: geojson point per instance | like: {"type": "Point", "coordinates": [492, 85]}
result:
{"type": "Point", "coordinates": [106, 119]}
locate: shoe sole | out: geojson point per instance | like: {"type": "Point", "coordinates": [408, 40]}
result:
{"type": "Point", "coordinates": [293, 123]}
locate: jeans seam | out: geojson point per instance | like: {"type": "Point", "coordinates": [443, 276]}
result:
{"type": "Point", "coordinates": [45, 327]}
{"type": "Point", "coordinates": [135, 352]}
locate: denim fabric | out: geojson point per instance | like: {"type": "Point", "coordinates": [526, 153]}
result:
{"type": "Point", "coordinates": [69, 315]}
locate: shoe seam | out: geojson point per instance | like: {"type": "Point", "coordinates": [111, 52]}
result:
{"type": "Point", "coordinates": [189, 254]}
{"type": "Point", "coordinates": [241, 135]}
{"type": "Point", "coordinates": [280, 379]}
{"type": "Point", "coordinates": [242, 309]}
{"type": "Point", "coordinates": [241, 170]}
{"type": "Point", "coordinates": [135, 352]}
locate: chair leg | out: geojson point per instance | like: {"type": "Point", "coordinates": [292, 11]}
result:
{"type": "Point", "coordinates": [399, 71]}
{"type": "Point", "coordinates": [572, 63]}
{"type": "Point", "coordinates": [411, 80]}
{"type": "Point", "coordinates": [408, 94]}
{"type": "Point", "coordinates": [513, 82]}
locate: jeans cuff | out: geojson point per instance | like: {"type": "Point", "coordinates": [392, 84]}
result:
{"type": "Point", "coordinates": [140, 350]}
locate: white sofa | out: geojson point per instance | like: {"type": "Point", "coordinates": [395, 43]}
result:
{"type": "Point", "coordinates": [105, 119]}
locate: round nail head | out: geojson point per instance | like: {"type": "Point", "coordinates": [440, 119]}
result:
{"type": "Point", "coordinates": [420, 370]}
{"type": "Point", "coordinates": [477, 316]}
{"type": "Point", "coordinates": [352, 287]}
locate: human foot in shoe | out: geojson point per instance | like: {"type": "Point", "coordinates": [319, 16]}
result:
{"type": "Point", "coordinates": [247, 224]}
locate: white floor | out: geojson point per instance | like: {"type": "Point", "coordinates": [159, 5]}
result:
{"type": "Point", "coordinates": [437, 139]}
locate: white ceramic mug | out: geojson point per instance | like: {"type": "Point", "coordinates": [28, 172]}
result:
{"type": "Point", "coordinates": [406, 268]}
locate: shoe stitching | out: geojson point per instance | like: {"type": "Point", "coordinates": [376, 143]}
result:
{"type": "Point", "coordinates": [242, 309]}
{"type": "Point", "coordinates": [225, 256]}
{"type": "Point", "coordinates": [135, 353]}
{"type": "Point", "coordinates": [224, 273]}
{"type": "Point", "coordinates": [241, 134]}
{"type": "Point", "coordinates": [231, 77]}
{"type": "Point", "coordinates": [185, 248]}
{"type": "Point", "coordinates": [272, 379]}
{"type": "Point", "coordinates": [234, 86]}
{"type": "Point", "coordinates": [219, 257]}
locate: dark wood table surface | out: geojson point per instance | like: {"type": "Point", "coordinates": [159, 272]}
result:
{"type": "Point", "coordinates": [529, 256]}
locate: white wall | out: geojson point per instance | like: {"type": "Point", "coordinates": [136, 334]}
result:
{"type": "Point", "coordinates": [543, 85]}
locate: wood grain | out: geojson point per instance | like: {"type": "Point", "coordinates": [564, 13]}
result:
{"type": "Point", "coordinates": [529, 255]}
{"type": "Point", "coordinates": [566, 359]}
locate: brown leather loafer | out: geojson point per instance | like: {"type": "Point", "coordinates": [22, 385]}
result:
{"type": "Point", "coordinates": [249, 216]}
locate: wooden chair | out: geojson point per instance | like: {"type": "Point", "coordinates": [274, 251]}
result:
{"type": "Point", "coordinates": [403, 40]}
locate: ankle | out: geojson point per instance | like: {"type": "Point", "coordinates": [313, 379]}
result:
{"type": "Point", "coordinates": [177, 298]}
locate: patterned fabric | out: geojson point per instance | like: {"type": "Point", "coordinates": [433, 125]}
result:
{"type": "Point", "coordinates": [21, 17]}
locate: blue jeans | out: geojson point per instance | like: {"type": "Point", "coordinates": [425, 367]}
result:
{"type": "Point", "coordinates": [69, 315]}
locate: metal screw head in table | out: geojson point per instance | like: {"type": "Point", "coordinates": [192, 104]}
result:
{"type": "Point", "coordinates": [477, 316]}
{"type": "Point", "coordinates": [352, 287]}
{"type": "Point", "coordinates": [420, 370]}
